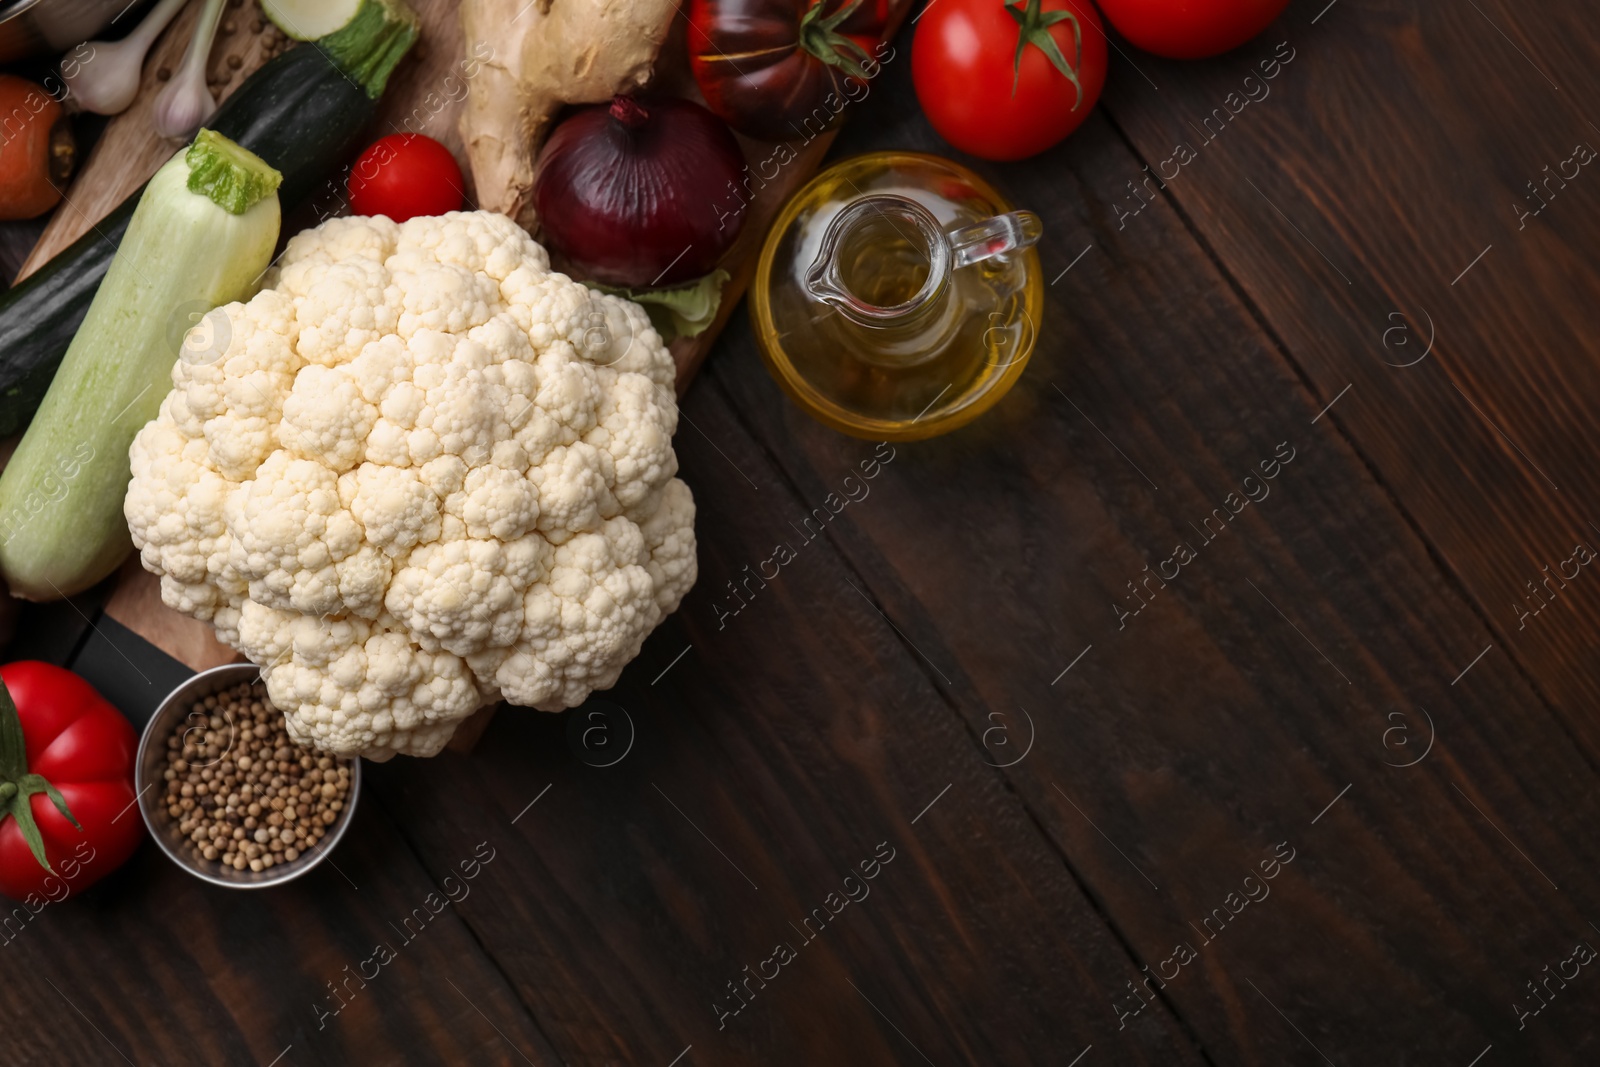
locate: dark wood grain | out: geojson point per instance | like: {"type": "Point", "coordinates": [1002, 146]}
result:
{"type": "Point", "coordinates": [160, 968]}
{"type": "Point", "coordinates": [1398, 145]}
{"type": "Point", "coordinates": [782, 750]}
{"type": "Point", "coordinates": [883, 689]}
{"type": "Point", "coordinates": [1207, 728]}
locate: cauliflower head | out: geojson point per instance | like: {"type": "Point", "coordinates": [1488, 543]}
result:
{"type": "Point", "coordinates": [418, 473]}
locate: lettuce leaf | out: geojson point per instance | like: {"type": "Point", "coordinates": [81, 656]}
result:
{"type": "Point", "coordinates": [681, 311]}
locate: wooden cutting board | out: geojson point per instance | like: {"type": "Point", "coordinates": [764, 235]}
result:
{"type": "Point", "coordinates": [129, 153]}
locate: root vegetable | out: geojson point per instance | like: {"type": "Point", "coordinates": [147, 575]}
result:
{"type": "Point", "coordinates": [541, 55]}
{"type": "Point", "coordinates": [35, 149]}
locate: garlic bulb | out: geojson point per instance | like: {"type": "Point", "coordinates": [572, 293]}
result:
{"type": "Point", "coordinates": [108, 79]}
{"type": "Point", "coordinates": [186, 102]}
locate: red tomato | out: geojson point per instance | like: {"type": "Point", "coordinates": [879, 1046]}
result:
{"type": "Point", "coordinates": [1190, 29]}
{"type": "Point", "coordinates": [405, 175]}
{"type": "Point", "coordinates": [985, 97]}
{"type": "Point", "coordinates": [85, 748]}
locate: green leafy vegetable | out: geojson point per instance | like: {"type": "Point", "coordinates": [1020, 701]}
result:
{"type": "Point", "coordinates": [682, 311]}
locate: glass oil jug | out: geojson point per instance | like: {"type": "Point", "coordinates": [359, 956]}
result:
{"type": "Point", "coordinates": [898, 296]}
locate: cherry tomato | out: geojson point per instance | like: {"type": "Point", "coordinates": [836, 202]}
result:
{"type": "Point", "coordinates": [1190, 29]}
{"type": "Point", "coordinates": [84, 748]}
{"type": "Point", "coordinates": [405, 175]}
{"type": "Point", "coordinates": [782, 70]}
{"type": "Point", "coordinates": [988, 96]}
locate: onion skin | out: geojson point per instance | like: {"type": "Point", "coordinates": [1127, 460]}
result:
{"type": "Point", "coordinates": [637, 193]}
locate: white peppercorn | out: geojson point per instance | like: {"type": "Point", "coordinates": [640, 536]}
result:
{"type": "Point", "coordinates": [240, 792]}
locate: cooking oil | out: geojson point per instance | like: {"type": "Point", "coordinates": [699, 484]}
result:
{"type": "Point", "coordinates": [881, 264]}
{"type": "Point", "coordinates": [898, 296]}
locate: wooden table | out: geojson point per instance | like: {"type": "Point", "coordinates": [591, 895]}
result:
{"type": "Point", "coordinates": [1330, 360]}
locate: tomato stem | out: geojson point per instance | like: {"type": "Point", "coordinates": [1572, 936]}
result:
{"type": "Point", "coordinates": [820, 36]}
{"type": "Point", "coordinates": [1033, 27]}
{"type": "Point", "coordinates": [17, 786]}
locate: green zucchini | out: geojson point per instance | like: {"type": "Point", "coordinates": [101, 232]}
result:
{"type": "Point", "coordinates": [202, 236]}
{"type": "Point", "coordinates": [302, 112]}
{"type": "Point", "coordinates": [365, 37]}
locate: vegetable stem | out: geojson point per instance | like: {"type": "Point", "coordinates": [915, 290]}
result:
{"type": "Point", "coordinates": [1033, 27]}
{"type": "Point", "coordinates": [627, 111]}
{"type": "Point", "coordinates": [371, 44]}
{"type": "Point", "coordinates": [13, 748]}
{"type": "Point", "coordinates": [16, 792]}
{"type": "Point", "coordinates": [148, 30]}
{"type": "Point", "coordinates": [821, 37]}
{"type": "Point", "coordinates": [229, 176]}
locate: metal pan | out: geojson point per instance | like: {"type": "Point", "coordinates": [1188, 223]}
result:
{"type": "Point", "coordinates": [45, 27]}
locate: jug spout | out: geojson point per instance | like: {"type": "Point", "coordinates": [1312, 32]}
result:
{"type": "Point", "coordinates": [883, 258]}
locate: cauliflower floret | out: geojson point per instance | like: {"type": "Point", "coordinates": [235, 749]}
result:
{"type": "Point", "coordinates": [585, 621]}
{"type": "Point", "coordinates": [465, 596]}
{"type": "Point", "coordinates": [669, 541]}
{"type": "Point", "coordinates": [418, 473]}
{"type": "Point", "coordinates": [499, 503]}
{"type": "Point", "coordinates": [574, 488]}
{"type": "Point", "coordinates": [325, 417]}
{"type": "Point", "coordinates": [354, 689]}
{"type": "Point", "coordinates": [617, 334]}
{"type": "Point", "coordinates": [288, 530]}
{"type": "Point", "coordinates": [357, 237]}
{"type": "Point", "coordinates": [482, 242]}
{"type": "Point", "coordinates": [393, 506]}
{"type": "Point", "coordinates": [340, 306]}
{"type": "Point", "coordinates": [234, 397]}
{"type": "Point", "coordinates": [636, 431]}
{"type": "Point", "coordinates": [188, 542]}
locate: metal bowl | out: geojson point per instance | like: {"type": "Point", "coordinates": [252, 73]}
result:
{"type": "Point", "coordinates": [148, 780]}
{"type": "Point", "coordinates": [34, 27]}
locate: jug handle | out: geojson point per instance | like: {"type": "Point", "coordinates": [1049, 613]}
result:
{"type": "Point", "coordinates": [1010, 232]}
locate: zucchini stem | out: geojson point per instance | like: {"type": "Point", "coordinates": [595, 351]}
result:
{"type": "Point", "coordinates": [372, 43]}
{"type": "Point", "coordinates": [233, 178]}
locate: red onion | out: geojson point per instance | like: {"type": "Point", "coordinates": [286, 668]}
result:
{"type": "Point", "coordinates": [641, 193]}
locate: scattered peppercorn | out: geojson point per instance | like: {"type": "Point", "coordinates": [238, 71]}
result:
{"type": "Point", "coordinates": [240, 792]}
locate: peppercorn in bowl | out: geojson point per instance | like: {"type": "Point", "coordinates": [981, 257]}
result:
{"type": "Point", "coordinates": [225, 792]}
